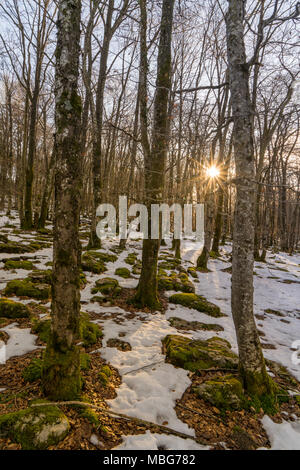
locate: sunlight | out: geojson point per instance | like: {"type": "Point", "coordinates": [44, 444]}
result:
{"type": "Point", "coordinates": [213, 172]}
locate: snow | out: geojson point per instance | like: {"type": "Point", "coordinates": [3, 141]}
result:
{"type": "Point", "coordinates": [20, 342]}
{"type": "Point", "coordinates": [283, 436]}
{"type": "Point", "coordinates": [149, 441]}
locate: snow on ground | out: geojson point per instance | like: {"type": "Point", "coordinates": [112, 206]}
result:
{"type": "Point", "coordinates": [283, 436]}
{"type": "Point", "coordinates": [158, 442]}
{"type": "Point", "coordinates": [149, 386]}
{"type": "Point", "coordinates": [20, 342]}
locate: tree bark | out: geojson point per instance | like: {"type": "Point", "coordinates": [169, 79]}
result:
{"type": "Point", "coordinates": [252, 366]}
{"type": "Point", "coordinates": [61, 371]}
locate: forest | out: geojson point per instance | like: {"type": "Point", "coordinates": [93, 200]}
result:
{"type": "Point", "coordinates": [149, 225]}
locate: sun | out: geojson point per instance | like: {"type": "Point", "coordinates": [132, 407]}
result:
{"type": "Point", "coordinates": [213, 172]}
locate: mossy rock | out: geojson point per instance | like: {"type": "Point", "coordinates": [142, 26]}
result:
{"type": "Point", "coordinates": [26, 288]}
{"type": "Point", "coordinates": [11, 309]}
{"type": "Point", "coordinates": [193, 272]}
{"type": "Point", "coordinates": [92, 264]}
{"type": "Point", "coordinates": [131, 259]}
{"type": "Point", "coordinates": [33, 372]}
{"type": "Point", "coordinates": [35, 428]}
{"type": "Point", "coordinates": [225, 393]}
{"type": "Point", "coordinates": [119, 344]}
{"type": "Point", "coordinates": [16, 247]}
{"type": "Point", "coordinates": [137, 268]}
{"type": "Point", "coordinates": [90, 332]}
{"type": "Point", "coordinates": [274, 312]}
{"type": "Point", "coordinates": [196, 302]}
{"type": "Point", "coordinates": [41, 276]}
{"type": "Point", "coordinates": [177, 282]}
{"type": "Point", "coordinates": [18, 264]}
{"type": "Point", "coordinates": [123, 272]}
{"type": "Point", "coordinates": [107, 286]}
{"type": "Point", "coordinates": [3, 239]}
{"type": "Point", "coordinates": [181, 324]}
{"type": "Point", "coordinates": [169, 263]}
{"type": "Point", "coordinates": [103, 257]}
{"type": "Point", "coordinates": [195, 355]}
{"type": "Point", "coordinates": [104, 375]}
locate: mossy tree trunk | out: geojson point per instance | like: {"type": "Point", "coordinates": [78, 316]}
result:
{"type": "Point", "coordinates": [155, 157]}
{"type": "Point", "coordinates": [61, 370]}
{"type": "Point", "coordinates": [252, 365]}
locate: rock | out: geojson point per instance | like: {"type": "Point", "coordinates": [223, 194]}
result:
{"type": "Point", "coordinates": [91, 264]}
{"type": "Point", "coordinates": [108, 287]}
{"type": "Point", "coordinates": [123, 272]}
{"type": "Point", "coordinates": [174, 281]}
{"type": "Point", "coordinates": [11, 309]}
{"type": "Point", "coordinates": [26, 288]}
{"type": "Point", "coordinates": [196, 302]}
{"type": "Point", "coordinates": [18, 264]}
{"type": "Point", "coordinates": [181, 324]}
{"type": "Point", "coordinates": [195, 355]}
{"type": "Point", "coordinates": [35, 428]}
{"type": "Point", "coordinates": [225, 393]}
{"type": "Point", "coordinates": [119, 344]}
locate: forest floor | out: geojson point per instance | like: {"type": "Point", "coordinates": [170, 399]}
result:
{"type": "Point", "coordinates": [141, 383]}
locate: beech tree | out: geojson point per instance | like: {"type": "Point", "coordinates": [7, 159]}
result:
{"type": "Point", "coordinates": [61, 370]}
{"type": "Point", "coordinates": [155, 154]}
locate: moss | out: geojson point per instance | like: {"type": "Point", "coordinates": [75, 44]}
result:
{"type": "Point", "coordinates": [261, 390]}
{"type": "Point", "coordinates": [103, 379]}
{"type": "Point", "coordinates": [33, 372]}
{"type": "Point", "coordinates": [131, 259]}
{"type": "Point", "coordinates": [104, 257]}
{"type": "Point", "coordinates": [107, 286]}
{"type": "Point", "coordinates": [26, 288]}
{"type": "Point", "coordinates": [90, 415]}
{"type": "Point", "coordinates": [196, 302]}
{"type": "Point", "coordinates": [193, 272]}
{"type": "Point", "coordinates": [61, 373]}
{"type": "Point", "coordinates": [85, 361]}
{"type": "Point", "coordinates": [297, 397]}
{"type": "Point", "coordinates": [195, 355]}
{"type": "Point", "coordinates": [119, 344]}
{"type": "Point", "coordinates": [90, 264]}
{"type": "Point", "coordinates": [10, 309]}
{"type": "Point", "coordinates": [181, 324]}
{"type": "Point", "coordinates": [106, 370]}
{"type": "Point", "coordinates": [89, 332]}
{"type": "Point", "coordinates": [226, 393]}
{"type": "Point", "coordinates": [43, 276]}
{"type": "Point", "coordinates": [169, 263]}
{"type": "Point", "coordinates": [35, 428]}
{"type": "Point", "coordinates": [20, 264]}
{"type": "Point", "coordinates": [123, 272]}
{"type": "Point", "coordinates": [177, 282]}
{"type": "Point", "coordinates": [42, 328]}
{"type": "Point", "coordinates": [83, 280]}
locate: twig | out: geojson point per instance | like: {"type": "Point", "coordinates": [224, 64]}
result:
{"type": "Point", "coordinates": [121, 415]}
{"type": "Point", "coordinates": [197, 412]}
{"type": "Point", "coordinates": [144, 367]}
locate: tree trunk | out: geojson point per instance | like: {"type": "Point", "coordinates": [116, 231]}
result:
{"type": "Point", "coordinates": [252, 366]}
{"type": "Point", "coordinates": [61, 371]}
{"type": "Point", "coordinates": [155, 160]}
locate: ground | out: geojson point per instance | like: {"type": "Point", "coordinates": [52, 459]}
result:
{"type": "Point", "coordinates": [128, 372]}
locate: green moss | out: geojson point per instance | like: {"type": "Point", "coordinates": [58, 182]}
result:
{"type": "Point", "coordinates": [195, 355]}
{"type": "Point", "coordinates": [26, 288]}
{"type": "Point", "coordinates": [92, 264]}
{"type": "Point", "coordinates": [181, 324]}
{"type": "Point", "coordinates": [131, 258]}
{"type": "Point", "coordinates": [89, 332]}
{"type": "Point", "coordinates": [42, 328]}
{"type": "Point", "coordinates": [106, 370]}
{"type": "Point", "coordinates": [214, 255]}
{"type": "Point", "coordinates": [193, 272]}
{"type": "Point", "coordinates": [123, 272]}
{"type": "Point", "coordinates": [90, 415]}
{"type": "Point", "coordinates": [196, 302]}
{"type": "Point", "coordinates": [35, 428]}
{"type": "Point", "coordinates": [297, 397]}
{"type": "Point", "coordinates": [103, 379]}
{"type": "Point", "coordinates": [85, 361]}
{"type": "Point", "coordinates": [61, 373]}
{"type": "Point", "coordinates": [104, 257]}
{"type": "Point", "coordinates": [10, 309]}
{"type": "Point", "coordinates": [41, 276]}
{"type": "Point", "coordinates": [107, 286]}
{"type": "Point", "coordinates": [33, 372]}
{"type": "Point", "coordinates": [14, 264]}
{"type": "Point", "coordinates": [226, 393]}
{"type": "Point", "coordinates": [177, 282]}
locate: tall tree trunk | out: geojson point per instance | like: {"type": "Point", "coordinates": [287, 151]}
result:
{"type": "Point", "coordinates": [61, 371]}
{"type": "Point", "coordinates": [252, 365]}
{"type": "Point", "coordinates": [155, 160]}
